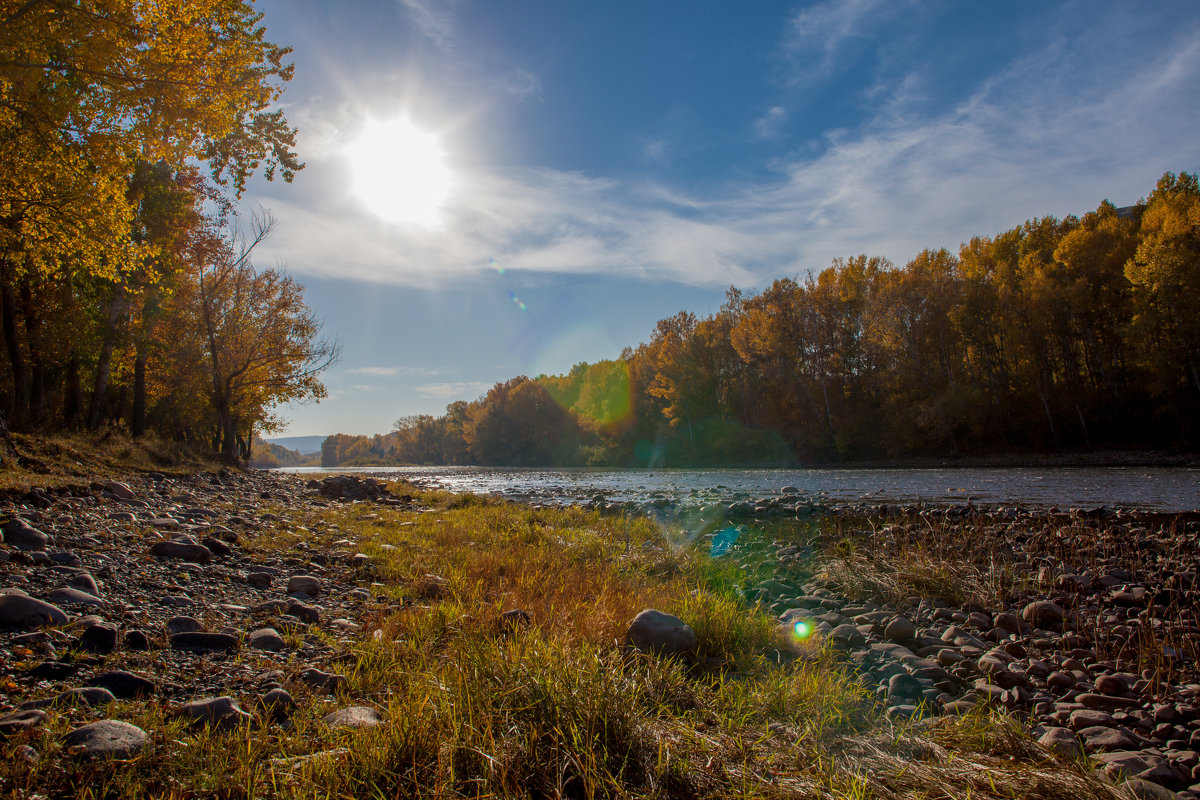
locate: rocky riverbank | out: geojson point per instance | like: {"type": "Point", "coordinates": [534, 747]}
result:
{"type": "Point", "coordinates": [224, 598]}
{"type": "Point", "coordinates": [1085, 625]}
{"type": "Point", "coordinates": [144, 589]}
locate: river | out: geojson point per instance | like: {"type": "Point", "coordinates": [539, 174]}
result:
{"type": "Point", "coordinates": [1168, 489]}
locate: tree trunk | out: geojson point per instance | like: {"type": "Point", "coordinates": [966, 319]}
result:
{"type": "Point", "coordinates": [12, 342]}
{"type": "Point", "coordinates": [37, 367]}
{"type": "Point", "coordinates": [104, 364]}
{"type": "Point", "coordinates": [73, 388]}
{"type": "Point", "coordinates": [138, 417]}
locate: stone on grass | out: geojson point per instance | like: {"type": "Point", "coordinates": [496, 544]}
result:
{"type": "Point", "coordinates": [26, 613]}
{"type": "Point", "coordinates": [328, 682]}
{"type": "Point", "coordinates": [1106, 740]}
{"type": "Point", "coordinates": [353, 717]}
{"type": "Point", "coordinates": [18, 721]}
{"type": "Point", "coordinates": [218, 712]}
{"type": "Point", "coordinates": [276, 704]}
{"type": "Point", "coordinates": [125, 685]}
{"type": "Point", "coordinates": [108, 738]}
{"type": "Point", "coordinates": [654, 631]}
{"type": "Point", "coordinates": [90, 696]}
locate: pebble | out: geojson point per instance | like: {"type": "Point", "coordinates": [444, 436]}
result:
{"type": "Point", "coordinates": [182, 551]}
{"type": "Point", "coordinates": [125, 685]}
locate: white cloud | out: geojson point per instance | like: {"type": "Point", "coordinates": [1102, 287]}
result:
{"type": "Point", "coordinates": [819, 37]}
{"type": "Point", "coordinates": [419, 372]}
{"type": "Point", "coordinates": [461, 390]}
{"type": "Point", "coordinates": [433, 19]}
{"type": "Point", "coordinates": [768, 125]}
{"type": "Point", "coordinates": [1052, 134]}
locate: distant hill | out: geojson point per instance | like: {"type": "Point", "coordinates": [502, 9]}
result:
{"type": "Point", "coordinates": [305, 445]}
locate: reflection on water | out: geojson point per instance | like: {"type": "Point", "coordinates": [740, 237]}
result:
{"type": "Point", "coordinates": [1161, 488]}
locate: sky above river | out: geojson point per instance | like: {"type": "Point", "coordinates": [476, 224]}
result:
{"type": "Point", "coordinates": [509, 188]}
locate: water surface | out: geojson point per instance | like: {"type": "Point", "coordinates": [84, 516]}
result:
{"type": "Point", "coordinates": [1158, 488]}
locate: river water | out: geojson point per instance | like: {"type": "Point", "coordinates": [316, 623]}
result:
{"type": "Point", "coordinates": [1159, 488]}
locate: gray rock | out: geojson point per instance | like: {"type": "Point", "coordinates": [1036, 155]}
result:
{"type": "Point", "coordinates": [23, 536]}
{"type": "Point", "coordinates": [218, 712]}
{"type": "Point", "coordinates": [183, 624]}
{"type": "Point", "coordinates": [654, 631]}
{"type": "Point", "coordinates": [900, 629]}
{"type": "Point", "coordinates": [181, 551]}
{"type": "Point", "coordinates": [108, 738]}
{"type": "Point", "coordinates": [85, 582]}
{"type": "Point", "coordinates": [259, 580]}
{"type": "Point", "coordinates": [23, 613]}
{"type": "Point", "coordinates": [1101, 739]}
{"type": "Point", "coordinates": [265, 639]}
{"type": "Point", "coordinates": [1061, 742]}
{"type": "Point", "coordinates": [125, 685]}
{"type": "Point", "coordinates": [1043, 614]}
{"type": "Point", "coordinates": [120, 490]}
{"type": "Point", "coordinates": [304, 584]}
{"type": "Point", "coordinates": [68, 595]}
{"type": "Point", "coordinates": [304, 612]}
{"type": "Point", "coordinates": [328, 682]}
{"type": "Point", "coordinates": [99, 637]}
{"type": "Point", "coordinates": [353, 717]}
{"type": "Point", "coordinates": [276, 704]}
{"type": "Point", "coordinates": [204, 642]}
{"type": "Point", "coordinates": [90, 696]}
{"type": "Point", "coordinates": [17, 721]}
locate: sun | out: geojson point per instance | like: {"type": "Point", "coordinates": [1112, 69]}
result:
{"type": "Point", "coordinates": [399, 172]}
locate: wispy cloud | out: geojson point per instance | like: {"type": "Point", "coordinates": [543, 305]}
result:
{"type": "Point", "coordinates": [1021, 144]}
{"type": "Point", "coordinates": [387, 372]}
{"type": "Point", "coordinates": [827, 37]}
{"type": "Point", "coordinates": [461, 390]}
{"type": "Point", "coordinates": [433, 18]}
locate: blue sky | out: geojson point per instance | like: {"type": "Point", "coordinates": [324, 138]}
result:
{"type": "Point", "coordinates": [613, 163]}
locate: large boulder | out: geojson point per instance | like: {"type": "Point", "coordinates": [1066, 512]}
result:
{"type": "Point", "coordinates": [107, 738]}
{"type": "Point", "coordinates": [654, 631]}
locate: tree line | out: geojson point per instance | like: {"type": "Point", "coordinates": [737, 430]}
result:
{"type": "Point", "coordinates": [128, 293]}
{"type": "Point", "coordinates": [1071, 334]}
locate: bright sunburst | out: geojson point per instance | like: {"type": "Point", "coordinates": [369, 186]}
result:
{"type": "Point", "coordinates": [399, 171]}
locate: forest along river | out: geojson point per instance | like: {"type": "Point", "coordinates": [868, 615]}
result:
{"type": "Point", "coordinates": [1169, 489]}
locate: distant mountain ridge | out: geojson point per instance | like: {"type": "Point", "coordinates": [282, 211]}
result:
{"type": "Point", "coordinates": [304, 445]}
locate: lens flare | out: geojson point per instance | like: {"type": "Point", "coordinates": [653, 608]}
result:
{"type": "Point", "coordinates": [803, 630]}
